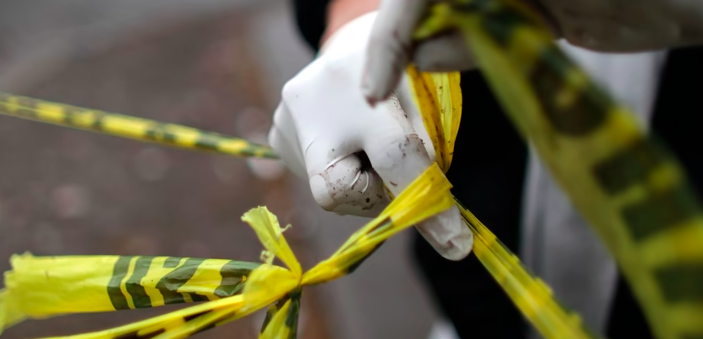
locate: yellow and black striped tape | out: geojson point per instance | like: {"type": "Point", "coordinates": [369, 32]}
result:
{"type": "Point", "coordinates": [129, 127]}
{"type": "Point", "coordinates": [439, 99]}
{"type": "Point", "coordinates": [109, 283]}
{"type": "Point", "coordinates": [45, 286]}
{"type": "Point", "coordinates": [629, 187]}
{"type": "Point", "coordinates": [286, 309]}
{"type": "Point", "coordinates": [177, 280]}
{"type": "Point", "coordinates": [529, 294]}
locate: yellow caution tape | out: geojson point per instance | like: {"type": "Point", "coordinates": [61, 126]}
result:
{"type": "Point", "coordinates": [38, 287]}
{"type": "Point", "coordinates": [439, 99]}
{"type": "Point", "coordinates": [629, 187]}
{"type": "Point", "coordinates": [42, 286]}
{"type": "Point", "coordinates": [129, 127]}
{"type": "Point", "coordinates": [529, 294]}
{"type": "Point", "coordinates": [442, 114]}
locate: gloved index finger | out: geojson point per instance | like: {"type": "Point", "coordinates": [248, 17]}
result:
{"type": "Point", "coordinates": [390, 46]}
{"type": "Point", "coordinates": [399, 156]}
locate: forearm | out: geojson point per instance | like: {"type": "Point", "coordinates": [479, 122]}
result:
{"type": "Point", "coordinates": [341, 12]}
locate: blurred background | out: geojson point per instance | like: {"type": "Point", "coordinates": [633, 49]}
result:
{"type": "Point", "coordinates": [217, 65]}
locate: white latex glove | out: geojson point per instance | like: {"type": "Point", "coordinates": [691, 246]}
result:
{"type": "Point", "coordinates": [600, 25]}
{"type": "Point", "coordinates": [323, 124]}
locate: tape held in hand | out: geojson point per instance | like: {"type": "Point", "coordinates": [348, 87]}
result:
{"type": "Point", "coordinates": [235, 289]}
{"type": "Point", "coordinates": [242, 287]}
{"type": "Point", "coordinates": [602, 133]}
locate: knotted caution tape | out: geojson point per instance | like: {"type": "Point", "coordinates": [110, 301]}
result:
{"type": "Point", "coordinates": [45, 286]}
{"type": "Point", "coordinates": [38, 287]}
{"type": "Point", "coordinates": [108, 283]}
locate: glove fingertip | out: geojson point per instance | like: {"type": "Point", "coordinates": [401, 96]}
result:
{"type": "Point", "coordinates": [378, 85]}
{"type": "Point", "coordinates": [387, 56]}
{"type": "Point", "coordinates": [448, 235]}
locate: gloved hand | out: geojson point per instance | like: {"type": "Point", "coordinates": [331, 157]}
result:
{"type": "Point", "coordinates": [325, 131]}
{"type": "Point", "coordinates": [599, 25]}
